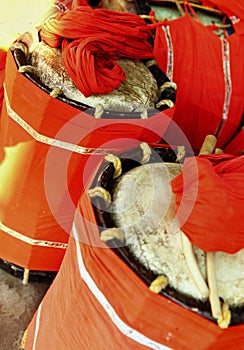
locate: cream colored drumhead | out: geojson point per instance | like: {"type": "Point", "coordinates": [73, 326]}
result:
{"type": "Point", "coordinates": [139, 88]}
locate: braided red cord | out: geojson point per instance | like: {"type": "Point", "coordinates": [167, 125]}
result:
{"type": "Point", "coordinates": [92, 41]}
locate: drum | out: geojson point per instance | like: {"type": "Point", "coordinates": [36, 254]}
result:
{"type": "Point", "coordinates": [48, 132]}
{"type": "Point", "coordinates": [143, 209]}
{"type": "Point", "coordinates": [109, 276]}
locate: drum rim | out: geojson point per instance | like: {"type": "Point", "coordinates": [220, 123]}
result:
{"type": "Point", "coordinates": [21, 61]}
{"type": "Point", "coordinates": [35, 276]}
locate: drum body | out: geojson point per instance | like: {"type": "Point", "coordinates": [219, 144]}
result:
{"type": "Point", "coordinates": [45, 143]}
{"type": "Point", "coordinates": [107, 305]}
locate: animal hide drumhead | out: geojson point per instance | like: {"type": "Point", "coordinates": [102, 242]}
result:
{"type": "Point", "coordinates": [143, 208]}
{"type": "Point", "coordinates": [137, 90]}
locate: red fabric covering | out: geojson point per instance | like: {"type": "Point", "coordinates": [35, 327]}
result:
{"type": "Point", "coordinates": [236, 146]}
{"type": "Point", "coordinates": [2, 74]}
{"type": "Point", "coordinates": [209, 74]}
{"type": "Point", "coordinates": [216, 221]}
{"type": "Point", "coordinates": [92, 40]}
{"type": "Point", "coordinates": [234, 9]}
{"type": "Point", "coordinates": [97, 302]}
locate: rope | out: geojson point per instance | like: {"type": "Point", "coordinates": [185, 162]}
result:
{"type": "Point", "coordinates": [102, 193]}
{"type": "Point", "coordinates": [116, 163]}
{"type": "Point", "coordinates": [112, 233]}
{"type": "Point", "coordinates": [159, 284]}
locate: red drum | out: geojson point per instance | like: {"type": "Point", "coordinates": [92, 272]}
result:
{"type": "Point", "coordinates": [107, 302]}
{"type": "Point", "coordinates": [45, 143]}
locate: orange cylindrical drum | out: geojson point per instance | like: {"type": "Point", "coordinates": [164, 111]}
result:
{"type": "Point", "coordinates": [98, 302]}
{"type": "Point", "coordinates": [44, 146]}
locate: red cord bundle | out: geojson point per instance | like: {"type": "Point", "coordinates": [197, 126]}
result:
{"type": "Point", "coordinates": [92, 41]}
{"type": "Point", "coordinates": [216, 220]}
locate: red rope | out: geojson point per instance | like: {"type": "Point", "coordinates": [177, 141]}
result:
{"type": "Point", "coordinates": [92, 41]}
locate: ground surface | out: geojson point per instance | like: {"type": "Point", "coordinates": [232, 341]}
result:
{"type": "Point", "coordinates": [18, 303]}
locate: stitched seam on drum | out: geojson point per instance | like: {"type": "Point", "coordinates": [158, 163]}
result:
{"type": "Point", "coordinates": [31, 241]}
{"type": "Point", "coordinates": [228, 85]}
{"type": "Point", "coordinates": [117, 321]}
{"type": "Point", "coordinates": [48, 140]}
{"type": "Point", "coordinates": [38, 316]}
{"type": "Point", "coordinates": [170, 60]}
